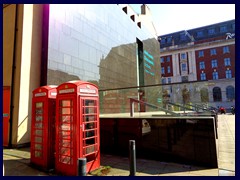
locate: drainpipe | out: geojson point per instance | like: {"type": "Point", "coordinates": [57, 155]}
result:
{"type": "Point", "coordinates": [13, 80]}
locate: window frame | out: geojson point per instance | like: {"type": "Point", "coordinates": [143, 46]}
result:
{"type": "Point", "coordinates": [215, 75]}
{"type": "Point", "coordinates": [228, 74]}
{"type": "Point", "coordinates": [214, 63]}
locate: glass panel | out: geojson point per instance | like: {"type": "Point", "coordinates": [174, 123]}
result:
{"type": "Point", "coordinates": [39, 118]}
{"type": "Point", "coordinates": [38, 139]}
{"type": "Point", "coordinates": [66, 110]}
{"type": "Point", "coordinates": [91, 43]}
{"type": "Point", "coordinates": [38, 146]}
{"type": "Point", "coordinates": [90, 110]}
{"type": "Point", "coordinates": [39, 125]}
{"type": "Point", "coordinates": [66, 103]}
{"type": "Point", "coordinates": [65, 151]}
{"type": "Point", "coordinates": [87, 118]}
{"type": "Point", "coordinates": [39, 105]}
{"type": "Point", "coordinates": [38, 153]}
{"type": "Point", "coordinates": [90, 149]}
{"type": "Point", "coordinates": [66, 119]}
{"type": "Point", "coordinates": [156, 102]}
{"type": "Point", "coordinates": [90, 102]}
{"type": "Point", "coordinates": [38, 132]}
{"type": "Point", "coordinates": [66, 143]}
{"type": "Point", "coordinates": [39, 111]}
{"type": "Point", "coordinates": [65, 159]}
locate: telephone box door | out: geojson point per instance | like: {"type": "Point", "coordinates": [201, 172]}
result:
{"type": "Point", "coordinates": [6, 115]}
{"type": "Point", "coordinates": [43, 127]}
{"type": "Point", "coordinates": [65, 137]}
{"type": "Point", "coordinates": [77, 127]}
{"type": "Point", "coordinates": [90, 139]}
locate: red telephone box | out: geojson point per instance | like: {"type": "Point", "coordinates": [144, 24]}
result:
{"type": "Point", "coordinates": [77, 127]}
{"type": "Point", "coordinates": [43, 127]}
{"type": "Point", "coordinates": [6, 114]}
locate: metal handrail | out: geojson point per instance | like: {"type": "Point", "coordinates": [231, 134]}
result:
{"type": "Point", "coordinates": [132, 101]}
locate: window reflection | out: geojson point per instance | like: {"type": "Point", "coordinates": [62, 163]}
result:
{"type": "Point", "coordinates": [97, 43]}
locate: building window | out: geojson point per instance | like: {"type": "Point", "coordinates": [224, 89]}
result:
{"type": "Point", "coordinates": [228, 74]}
{"type": "Point", "coordinates": [163, 40]}
{"type": "Point", "coordinates": [163, 80]}
{"type": "Point", "coordinates": [213, 52]}
{"type": "Point", "coordinates": [201, 65]}
{"type": "Point", "coordinates": [163, 70]}
{"type": "Point", "coordinates": [169, 80]}
{"type": "Point", "coordinates": [169, 69]}
{"type": "Point", "coordinates": [204, 95]}
{"type": "Point", "coordinates": [223, 29]}
{"type": "Point", "coordinates": [182, 37]}
{"type": "Point", "coordinates": [200, 53]}
{"type": "Point", "coordinates": [183, 55]}
{"type": "Point", "coordinates": [162, 59]}
{"type": "Point", "coordinates": [225, 49]}
{"type": "Point", "coordinates": [199, 34]}
{"type": "Point", "coordinates": [168, 59]}
{"type": "Point", "coordinates": [169, 39]}
{"type": "Point", "coordinates": [203, 76]}
{"type": "Point", "coordinates": [214, 63]}
{"type": "Point", "coordinates": [184, 67]}
{"type": "Point", "coordinates": [211, 31]}
{"type": "Point", "coordinates": [227, 62]}
{"type": "Point", "coordinates": [230, 93]}
{"type": "Point", "coordinates": [215, 75]}
{"type": "Point", "coordinates": [217, 94]}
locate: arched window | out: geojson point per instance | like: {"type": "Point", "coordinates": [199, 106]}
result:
{"type": "Point", "coordinates": [204, 95]}
{"type": "Point", "coordinates": [217, 94]}
{"type": "Point", "coordinates": [230, 93]}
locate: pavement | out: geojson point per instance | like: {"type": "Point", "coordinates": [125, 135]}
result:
{"type": "Point", "coordinates": [17, 161]}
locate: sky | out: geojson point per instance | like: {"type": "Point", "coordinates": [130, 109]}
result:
{"type": "Point", "coordinates": [169, 18]}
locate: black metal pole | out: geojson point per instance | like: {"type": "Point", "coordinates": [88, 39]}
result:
{"type": "Point", "coordinates": [132, 157]}
{"type": "Point", "coordinates": [81, 164]}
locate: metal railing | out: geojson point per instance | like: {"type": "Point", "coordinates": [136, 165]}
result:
{"type": "Point", "coordinates": [132, 101]}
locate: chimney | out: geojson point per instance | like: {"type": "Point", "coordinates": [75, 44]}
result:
{"type": "Point", "coordinates": [144, 9]}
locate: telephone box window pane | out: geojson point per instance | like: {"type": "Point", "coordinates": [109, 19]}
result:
{"type": "Point", "coordinates": [38, 146]}
{"type": "Point", "coordinates": [39, 111]}
{"type": "Point", "coordinates": [89, 103]}
{"type": "Point", "coordinates": [66, 119]}
{"type": "Point", "coordinates": [38, 132]}
{"type": "Point", "coordinates": [66, 143]}
{"type": "Point", "coordinates": [65, 160]}
{"type": "Point", "coordinates": [39, 118]}
{"type": "Point", "coordinates": [90, 110]}
{"type": "Point", "coordinates": [66, 103]}
{"type": "Point", "coordinates": [90, 149]}
{"type": "Point", "coordinates": [65, 136]}
{"type": "Point", "coordinates": [89, 118]}
{"type": "Point", "coordinates": [38, 154]}
{"type": "Point", "coordinates": [65, 127]}
{"type": "Point", "coordinates": [39, 105]}
{"type": "Point", "coordinates": [38, 125]}
{"type": "Point", "coordinates": [65, 151]}
{"type": "Point", "coordinates": [38, 139]}
{"type": "Point", "coordinates": [66, 111]}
